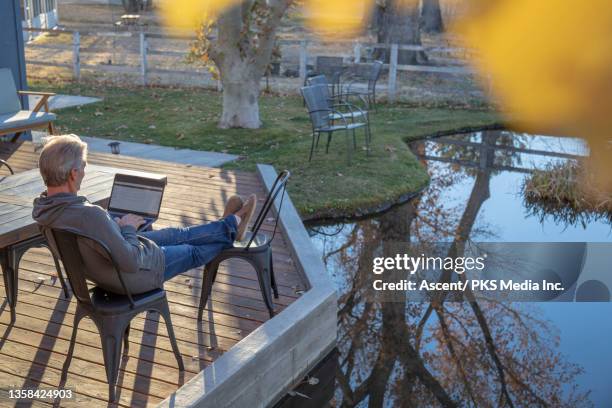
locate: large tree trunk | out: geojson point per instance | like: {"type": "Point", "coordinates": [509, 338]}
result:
{"type": "Point", "coordinates": [398, 23]}
{"type": "Point", "coordinates": [240, 100]}
{"type": "Point", "coordinates": [242, 52]}
{"type": "Point", "coordinates": [431, 16]}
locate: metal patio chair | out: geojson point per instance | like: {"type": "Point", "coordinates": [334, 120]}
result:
{"type": "Point", "coordinates": [332, 67]}
{"type": "Point", "coordinates": [323, 117]}
{"type": "Point", "coordinates": [13, 119]}
{"type": "Point", "coordinates": [341, 103]}
{"type": "Point", "coordinates": [372, 79]}
{"type": "Point", "coordinates": [111, 312]}
{"type": "Point", "coordinates": [255, 248]}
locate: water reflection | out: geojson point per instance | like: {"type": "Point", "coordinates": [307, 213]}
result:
{"type": "Point", "coordinates": [460, 354]}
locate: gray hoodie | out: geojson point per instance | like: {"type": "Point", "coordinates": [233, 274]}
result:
{"type": "Point", "coordinates": [140, 259]}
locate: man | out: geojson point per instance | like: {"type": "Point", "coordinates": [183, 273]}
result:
{"type": "Point", "coordinates": [146, 259]}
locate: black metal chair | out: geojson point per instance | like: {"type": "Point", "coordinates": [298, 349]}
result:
{"type": "Point", "coordinates": [332, 67]}
{"type": "Point", "coordinates": [111, 312]}
{"type": "Point", "coordinates": [323, 116]}
{"type": "Point", "coordinates": [255, 248]}
{"type": "Point", "coordinates": [341, 103]}
{"type": "Point", "coordinates": [372, 78]}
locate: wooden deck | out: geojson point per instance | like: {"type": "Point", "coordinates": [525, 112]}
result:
{"type": "Point", "coordinates": [32, 351]}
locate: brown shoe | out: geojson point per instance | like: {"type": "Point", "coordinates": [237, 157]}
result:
{"type": "Point", "coordinates": [233, 205]}
{"type": "Point", "coordinates": [245, 214]}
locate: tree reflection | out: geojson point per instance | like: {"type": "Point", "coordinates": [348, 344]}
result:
{"type": "Point", "coordinates": [440, 353]}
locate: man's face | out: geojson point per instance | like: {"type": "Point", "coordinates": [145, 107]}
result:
{"type": "Point", "coordinates": [76, 177]}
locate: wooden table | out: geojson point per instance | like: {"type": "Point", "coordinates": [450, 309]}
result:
{"type": "Point", "coordinates": [19, 232]}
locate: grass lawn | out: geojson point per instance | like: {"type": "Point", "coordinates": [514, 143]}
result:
{"type": "Point", "coordinates": [325, 187]}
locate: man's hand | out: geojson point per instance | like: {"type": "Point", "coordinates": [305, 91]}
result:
{"type": "Point", "coordinates": [130, 219]}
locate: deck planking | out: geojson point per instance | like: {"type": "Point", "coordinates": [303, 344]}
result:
{"type": "Point", "coordinates": [33, 350]}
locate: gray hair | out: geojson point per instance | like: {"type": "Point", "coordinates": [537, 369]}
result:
{"type": "Point", "coordinates": [59, 156]}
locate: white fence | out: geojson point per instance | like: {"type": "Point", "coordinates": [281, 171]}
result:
{"type": "Point", "coordinates": [142, 69]}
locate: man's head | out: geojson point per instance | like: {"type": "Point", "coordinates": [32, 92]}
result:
{"type": "Point", "coordinates": [62, 162]}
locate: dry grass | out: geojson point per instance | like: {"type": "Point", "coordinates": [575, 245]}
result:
{"type": "Point", "coordinates": [566, 192]}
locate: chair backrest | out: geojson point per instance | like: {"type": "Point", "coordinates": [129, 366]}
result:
{"type": "Point", "coordinates": [321, 80]}
{"type": "Point", "coordinates": [377, 67]}
{"type": "Point", "coordinates": [328, 65]}
{"type": "Point", "coordinates": [9, 99]}
{"type": "Point", "coordinates": [317, 80]}
{"type": "Point", "coordinates": [67, 244]}
{"type": "Point", "coordinates": [279, 187]}
{"type": "Point", "coordinates": [317, 103]}
{"type": "Point", "coordinates": [332, 67]}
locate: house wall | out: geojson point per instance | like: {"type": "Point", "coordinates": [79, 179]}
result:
{"type": "Point", "coordinates": [11, 43]}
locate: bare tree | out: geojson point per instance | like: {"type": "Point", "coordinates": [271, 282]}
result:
{"type": "Point", "coordinates": [440, 353]}
{"type": "Point", "coordinates": [241, 52]}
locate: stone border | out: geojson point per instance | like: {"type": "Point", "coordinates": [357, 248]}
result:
{"type": "Point", "coordinates": [262, 367]}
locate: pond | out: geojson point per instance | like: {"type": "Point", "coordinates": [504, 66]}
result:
{"type": "Point", "coordinates": [408, 355]}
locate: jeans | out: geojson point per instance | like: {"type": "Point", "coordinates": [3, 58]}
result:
{"type": "Point", "coordinates": [191, 247]}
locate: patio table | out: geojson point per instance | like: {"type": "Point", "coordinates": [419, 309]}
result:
{"type": "Point", "coordinates": [19, 232]}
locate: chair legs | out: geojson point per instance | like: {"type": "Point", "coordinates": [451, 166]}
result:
{"type": "Point", "coordinates": [165, 312]}
{"type": "Point", "coordinates": [60, 276]}
{"type": "Point", "coordinates": [262, 265]}
{"type": "Point", "coordinates": [348, 147]}
{"type": "Point", "coordinates": [111, 350]}
{"type": "Point", "coordinates": [126, 339]}
{"type": "Point", "coordinates": [312, 146]}
{"type": "Point", "coordinates": [272, 278]}
{"type": "Point", "coordinates": [210, 273]}
{"type": "Point", "coordinates": [79, 314]}
{"type": "Point", "coordinates": [261, 262]}
{"type": "Point", "coordinates": [115, 330]}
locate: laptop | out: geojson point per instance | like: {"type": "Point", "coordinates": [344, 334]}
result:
{"type": "Point", "coordinates": [137, 195]}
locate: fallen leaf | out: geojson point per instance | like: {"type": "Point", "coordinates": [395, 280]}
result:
{"type": "Point", "coordinates": [147, 141]}
{"type": "Point", "coordinates": [180, 136]}
{"type": "Point", "coordinates": [121, 127]}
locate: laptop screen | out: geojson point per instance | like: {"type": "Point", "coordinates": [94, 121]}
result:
{"type": "Point", "coordinates": [138, 195]}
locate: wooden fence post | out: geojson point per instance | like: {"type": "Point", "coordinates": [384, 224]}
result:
{"type": "Point", "coordinates": [303, 60]}
{"type": "Point", "coordinates": [76, 58]}
{"type": "Point", "coordinates": [391, 89]}
{"type": "Point", "coordinates": [357, 50]}
{"type": "Point", "coordinates": [143, 58]}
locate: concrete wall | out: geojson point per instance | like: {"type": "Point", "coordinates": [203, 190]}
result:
{"type": "Point", "coordinates": [11, 43]}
